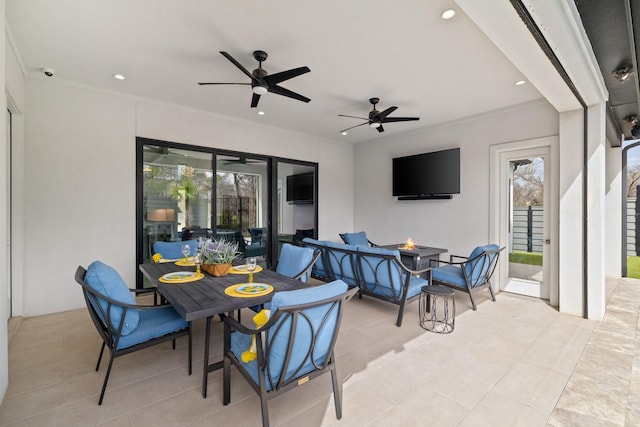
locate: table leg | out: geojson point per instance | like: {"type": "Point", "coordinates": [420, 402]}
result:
{"type": "Point", "coordinates": [214, 366]}
{"type": "Point", "coordinates": [205, 369]}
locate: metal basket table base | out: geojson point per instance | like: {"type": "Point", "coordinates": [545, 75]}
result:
{"type": "Point", "coordinates": [437, 309]}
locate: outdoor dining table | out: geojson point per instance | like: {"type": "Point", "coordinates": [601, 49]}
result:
{"type": "Point", "coordinates": [206, 298]}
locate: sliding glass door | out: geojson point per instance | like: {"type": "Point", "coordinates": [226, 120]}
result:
{"type": "Point", "coordinates": [185, 192]}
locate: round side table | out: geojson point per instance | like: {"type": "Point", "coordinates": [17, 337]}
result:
{"type": "Point", "coordinates": [437, 309]}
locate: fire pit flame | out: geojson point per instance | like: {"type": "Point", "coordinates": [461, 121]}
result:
{"type": "Point", "coordinates": [409, 244]}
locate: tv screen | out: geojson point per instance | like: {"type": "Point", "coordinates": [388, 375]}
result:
{"type": "Point", "coordinates": [429, 174]}
{"type": "Point", "coordinates": [300, 188]}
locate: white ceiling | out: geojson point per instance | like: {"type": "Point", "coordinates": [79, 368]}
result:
{"type": "Point", "coordinates": [400, 51]}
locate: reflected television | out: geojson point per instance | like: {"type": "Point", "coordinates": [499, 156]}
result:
{"type": "Point", "coordinates": [300, 188]}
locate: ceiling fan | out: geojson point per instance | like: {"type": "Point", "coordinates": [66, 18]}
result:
{"type": "Point", "coordinates": [242, 161]}
{"type": "Point", "coordinates": [262, 82]}
{"type": "Point", "coordinates": [377, 118]}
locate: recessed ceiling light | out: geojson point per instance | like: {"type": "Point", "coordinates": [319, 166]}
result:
{"type": "Point", "coordinates": [448, 14]}
{"type": "Point", "coordinates": [344, 133]}
{"type": "Point", "coordinates": [118, 76]}
{"type": "Point", "coordinates": [261, 113]}
{"type": "Point", "coordinates": [520, 82]}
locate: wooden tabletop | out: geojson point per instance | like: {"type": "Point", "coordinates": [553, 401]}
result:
{"type": "Point", "coordinates": [206, 297]}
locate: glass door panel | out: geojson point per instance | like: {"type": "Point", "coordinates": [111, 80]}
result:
{"type": "Point", "coordinates": [528, 208]}
{"type": "Point", "coordinates": [242, 203]}
{"type": "Point", "coordinates": [176, 197]}
{"type": "Point", "coordinates": [296, 202]}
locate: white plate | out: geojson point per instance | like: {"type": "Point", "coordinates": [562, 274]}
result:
{"type": "Point", "coordinates": [179, 275]}
{"type": "Point", "coordinates": [252, 289]}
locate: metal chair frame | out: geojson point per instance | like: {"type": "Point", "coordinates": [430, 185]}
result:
{"type": "Point", "coordinates": [110, 332]}
{"type": "Point", "coordinates": [285, 382]}
{"type": "Point", "coordinates": [385, 267]}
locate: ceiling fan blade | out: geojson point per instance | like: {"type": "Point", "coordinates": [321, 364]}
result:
{"type": "Point", "coordinates": [399, 119]}
{"type": "Point", "coordinates": [279, 90]}
{"type": "Point", "coordinates": [380, 129]}
{"type": "Point", "coordinates": [202, 84]}
{"type": "Point", "coordinates": [361, 124]}
{"type": "Point", "coordinates": [383, 114]}
{"type": "Point", "coordinates": [274, 79]}
{"type": "Point", "coordinates": [254, 100]}
{"type": "Point", "coordinates": [353, 117]}
{"type": "Point", "coordinates": [237, 64]}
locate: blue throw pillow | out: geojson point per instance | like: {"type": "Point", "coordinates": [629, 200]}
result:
{"type": "Point", "coordinates": [356, 239]}
{"type": "Point", "coordinates": [106, 280]}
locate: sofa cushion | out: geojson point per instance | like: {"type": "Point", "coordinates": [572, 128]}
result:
{"type": "Point", "coordinates": [319, 269]}
{"type": "Point", "coordinates": [356, 239]}
{"type": "Point", "coordinates": [341, 259]}
{"type": "Point", "coordinates": [106, 281]}
{"type": "Point", "coordinates": [380, 274]}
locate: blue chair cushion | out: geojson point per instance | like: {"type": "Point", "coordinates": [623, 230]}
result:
{"type": "Point", "coordinates": [106, 280]}
{"type": "Point", "coordinates": [153, 324]}
{"type": "Point", "coordinates": [356, 239]}
{"type": "Point", "coordinates": [240, 342]}
{"type": "Point", "coordinates": [294, 259]}
{"type": "Point", "coordinates": [474, 273]}
{"type": "Point", "coordinates": [451, 274]}
{"type": "Point", "coordinates": [173, 250]}
{"type": "Point", "coordinates": [341, 263]}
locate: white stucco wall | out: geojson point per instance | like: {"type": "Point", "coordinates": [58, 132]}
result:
{"type": "Point", "coordinates": [458, 224]}
{"type": "Point", "coordinates": [80, 178]}
{"type": "Point", "coordinates": [613, 211]}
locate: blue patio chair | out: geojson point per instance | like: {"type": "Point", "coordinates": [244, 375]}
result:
{"type": "Point", "coordinates": [296, 261]}
{"type": "Point", "coordinates": [173, 250]}
{"type": "Point", "coordinates": [124, 325]}
{"type": "Point", "coordinates": [356, 239]}
{"type": "Point", "coordinates": [469, 275]}
{"type": "Point", "coordinates": [294, 346]}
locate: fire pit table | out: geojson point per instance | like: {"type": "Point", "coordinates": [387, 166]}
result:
{"type": "Point", "coordinates": [414, 256]}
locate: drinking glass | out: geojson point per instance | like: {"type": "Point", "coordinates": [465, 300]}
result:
{"type": "Point", "coordinates": [186, 249]}
{"type": "Point", "coordinates": [197, 261]}
{"type": "Point", "coordinates": [251, 266]}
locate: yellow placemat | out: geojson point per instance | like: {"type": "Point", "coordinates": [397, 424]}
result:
{"type": "Point", "coordinates": [191, 278]}
{"type": "Point", "coordinates": [189, 263]}
{"type": "Point", "coordinates": [242, 269]}
{"type": "Point", "coordinates": [232, 290]}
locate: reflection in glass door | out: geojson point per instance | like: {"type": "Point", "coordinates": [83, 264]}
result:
{"type": "Point", "coordinates": [297, 209]}
{"type": "Point", "coordinates": [176, 197]}
{"type": "Point", "coordinates": [242, 200]}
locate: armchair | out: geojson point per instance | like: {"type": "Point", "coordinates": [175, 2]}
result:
{"type": "Point", "coordinates": [294, 346]}
{"type": "Point", "coordinates": [469, 275]}
{"type": "Point", "coordinates": [123, 325]}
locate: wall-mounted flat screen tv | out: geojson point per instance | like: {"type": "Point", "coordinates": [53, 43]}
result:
{"type": "Point", "coordinates": [434, 175]}
{"type": "Point", "coordinates": [300, 188]}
